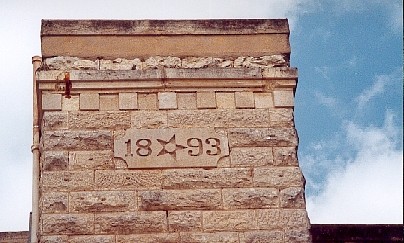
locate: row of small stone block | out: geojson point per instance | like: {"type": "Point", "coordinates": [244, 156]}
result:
{"type": "Point", "coordinates": [168, 100]}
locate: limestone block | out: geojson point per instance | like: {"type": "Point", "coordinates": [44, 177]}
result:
{"type": "Point", "coordinates": [102, 201]}
{"type": "Point", "coordinates": [220, 62]}
{"type": "Point", "coordinates": [109, 102]}
{"type": "Point", "coordinates": [284, 73]}
{"type": "Point", "coordinates": [206, 100]}
{"type": "Point", "coordinates": [197, 62]}
{"type": "Point", "coordinates": [51, 102]}
{"type": "Point", "coordinates": [225, 100]}
{"type": "Point", "coordinates": [53, 238]}
{"type": "Point", "coordinates": [186, 101]}
{"type": "Point", "coordinates": [278, 177]}
{"type": "Point", "coordinates": [292, 197]}
{"type": "Point", "coordinates": [128, 101]}
{"type": "Point", "coordinates": [244, 198]}
{"type": "Point", "coordinates": [121, 64]}
{"type": "Point", "coordinates": [263, 100]}
{"type": "Point", "coordinates": [91, 160]}
{"type": "Point", "coordinates": [71, 104]}
{"type": "Point", "coordinates": [53, 120]}
{"type": "Point", "coordinates": [294, 218]}
{"type": "Point", "coordinates": [149, 119]}
{"type": "Point", "coordinates": [265, 61]}
{"type": "Point", "coordinates": [67, 180]}
{"type": "Point", "coordinates": [55, 202]}
{"type": "Point", "coordinates": [285, 156]}
{"type": "Point", "coordinates": [275, 236]}
{"type": "Point", "coordinates": [99, 120]}
{"type": "Point", "coordinates": [298, 235]}
{"type": "Point", "coordinates": [81, 64]}
{"type": "Point", "coordinates": [167, 100]}
{"type": "Point", "coordinates": [128, 180]}
{"type": "Point", "coordinates": [149, 238]}
{"type": "Point", "coordinates": [131, 222]}
{"type": "Point", "coordinates": [89, 101]}
{"type": "Point", "coordinates": [215, 237]}
{"type": "Point", "coordinates": [183, 221]}
{"type": "Point", "coordinates": [281, 117]}
{"type": "Point", "coordinates": [180, 200]}
{"type": "Point", "coordinates": [251, 157]}
{"type": "Point", "coordinates": [200, 178]}
{"type": "Point", "coordinates": [147, 101]}
{"type": "Point", "coordinates": [262, 137]}
{"type": "Point", "coordinates": [77, 140]}
{"type": "Point", "coordinates": [283, 98]}
{"type": "Point", "coordinates": [238, 62]}
{"type": "Point", "coordinates": [55, 160]}
{"type": "Point", "coordinates": [157, 61]}
{"type": "Point", "coordinates": [238, 220]}
{"type": "Point", "coordinates": [69, 224]}
{"type": "Point", "coordinates": [268, 219]}
{"type": "Point", "coordinates": [59, 62]}
{"type": "Point", "coordinates": [92, 239]}
{"type": "Point", "coordinates": [244, 99]}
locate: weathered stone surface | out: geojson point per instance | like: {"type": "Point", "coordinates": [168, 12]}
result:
{"type": "Point", "coordinates": [130, 222]}
{"type": "Point", "coordinates": [251, 157]}
{"type": "Point", "coordinates": [77, 140]}
{"type": "Point", "coordinates": [99, 120]}
{"type": "Point", "coordinates": [149, 238]}
{"type": "Point", "coordinates": [200, 178]}
{"type": "Point", "coordinates": [91, 160]}
{"type": "Point", "coordinates": [71, 104]}
{"type": "Point", "coordinates": [244, 99]}
{"type": "Point", "coordinates": [280, 73]}
{"type": "Point", "coordinates": [109, 102]}
{"type": "Point", "coordinates": [54, 120]}
{"type": "Point", "coordinates": [263, 100]}
{"type": "Point", "coordinates": [149, 119]}
{"type": "Point", "coordinates": [54, 238]}
{"type": "Point", "coordinates": [51, 102]}
{"type": "Point", "coordinates": [206, 100]}
{"type": "Point", "coordinates": [59, 63]}
{"type": "Point", "coordinates": [182, 221]}
{"type": "Point", "coordinates": [264, 61]}
{"type": "Point", "coordinates": [239, 220]}
{"type": "Point", "coordinates": [124, 180]}
{"type": "Point", "coordinates": [262, 137]}
{"type": "Point", "coordinates": [55, 160]}
{"type": "Point", "coordinates": [180, 200]}
{"type": "Point", "coordinates": [268, 219]}
{"type": "Point", "coordinates": [67, 180]}
{"type": "Point", "coordinates": [89, 101]}
{"type": "Point", "coordinates": [92, 239]}
{"type": "Point", "coordinates": [284, 98]}
{"type": "Point", "coordinates": [292, 197]}
{"type": "Point", "coordinates": [244, 198]}
{"type": "Point", "coordinates": [186, 101]}
{"type": "Point", "coordinates": [147, 101]}
{"type": "Point", "coordinates": [70, 224]}
{"type": "Point", "coordinates": [275, 236]}
{"type": "Point", "coordinates": [121, 64]}
{"type": "Point", "coordinates": [157, 61]}
{"type": "Point", "coordinates": [298, 235]}
{"type": "Point", "coordinates": [278, 177]}
{"type": "Point", "coordinates": [225, 100]}
{"type": "Point", "coordinates": [55, 202]}
{"type": "Point", "coordinates": [282, 219]}
{"type": "Point", "coordinates": [127, 101]}
{"type": "Point", "coordinates": [102, 201]}
{"type": "Point", "coordinates": [197, 62]}
{"type": "Point", "coordinates": [167, 100]}
{"type": "Point", "coordinates": [285, 156]}
{"type": "Point", "coordinates": [282, 117]}
{"type": "Point", "coordinates": [215, 237]}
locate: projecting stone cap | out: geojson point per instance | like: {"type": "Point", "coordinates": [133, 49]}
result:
{"type": "Point", "coordinates": [109, 39]}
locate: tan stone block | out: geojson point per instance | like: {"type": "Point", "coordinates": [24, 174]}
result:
{"type": "Point", "coordinates": [262, 137]}
{"type": "Point", "coordinates": [268, 219]}
{"type": "Point", "coordinates": [186, 101]}
{"type": "Point", "coordinates": [109, 102]}
{"type": "Point", "coordinates": [215, 237]}
{"type": "Point", "coordinates": [51, 102]}
{"type": "Point", "coordinates": [149, 238]}
{"type": "Point", "coordinates": [278, 177]}
{"type": "Point", "coordinates": [281, 117]}
{"type": "Point", "coordinates": [167, 100]}
{"type": "Point", "coordinates": [55, 160]}
{"type": "Point", "coordinates": [67, 180]}
{"type": "Point", "coordinates": [71, 104]}
{"type": "Point", "coordinates": [292, 197]}
{"type": "Point", "coordinates": [128, 180]}
{"type": "Point", "coordinates": [128, 101]}
{"type": "Point", "coordinates": [251, 157]}
{"type": "Point", "coordinates": [69, 224]}
{"type": "Point", "coordinates": [89, 101]}
{"type": "Point", "coordinates": [180, 221]}
{"type": "Point", "coordinates": [121, 64]}
{"type": "Point", "coordinates": [149, 119]}
{"type": "Point", "coordinates": [294, 218]}
{"type": "Point", "coordinates": [102, 201]}
{"type": "Point", "coordinates": [225, 100]}
{"type": "Point", "coordinates": [263, 100]}
{"type": "Point", "coordinates": [77, 140]}
{"type": "Point", "coordinates": [53, 238]}
{"type": "Point", "coordinates": [285, 156]}
{"type": "Point", "coordinates": [92, 239]}
{"type": "Point", "coordinates": [55, 202]}
{"type": "Point", "coordinates": [147, 101]}
{"type": "Point", "coordinates": [99, 120]}
{"type": "Point", "coordinates": [131, 222]}
{"type": "Point", "coordinates": [91, 160]}
{"type": "Point", "coordinates": [283, 98]}
{"type": "Point", "coordinates": [200, 178]}
{"type": "Point", "coordinates": [244, 99]}
{"type": "Point", "coordinates": [206, 100]}
{"type": "Point", "coordinates": [180, 200]}
{"type": "Point", "coordinates": [196, 62]}
{"type": "Point", "coordinates": [243, 198]}
{"type": "Point", "coordinates": [298, 235]}
{"type": "Point", "coordinates": [239, 220]}
{"type": "Point", "coordinates": [53, 120]}
{"type": "Point", "coordinates": [273, 236]}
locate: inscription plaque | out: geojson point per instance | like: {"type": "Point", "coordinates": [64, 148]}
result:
{"type": "Point", "coordinates": [155, 148]}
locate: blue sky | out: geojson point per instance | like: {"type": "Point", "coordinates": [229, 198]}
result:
{"type": "Point", "coordinates": [348, 102]}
